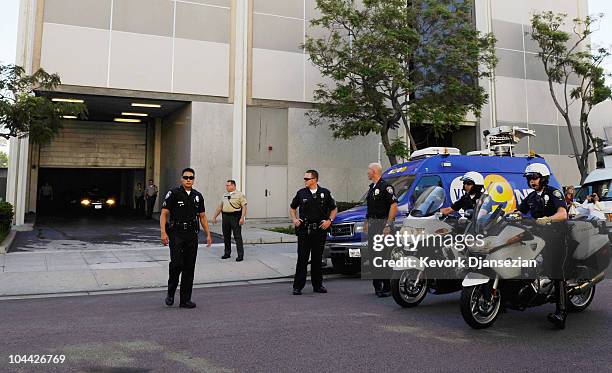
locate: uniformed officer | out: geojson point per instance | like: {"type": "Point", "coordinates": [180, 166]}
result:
{"type": "Point", "coordinates": [473, 184]}
{"type": "Point", "coordinates": [317, 211]}
{"type": "Point", "coordinates": [546, 205]}
{"type": "Point", "coordinates": [382, 209]}
{"type": "Point", "coordinates": [181, 216]}
{"type": "Point", "coordinates": [233, 208]}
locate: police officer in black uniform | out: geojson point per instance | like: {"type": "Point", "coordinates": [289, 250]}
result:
{"type": "Point", "coordinates": [547, 206]}
{"type": "Point", "coordinates": [473, 184]}
{"type": "Point", "coordinates": [382, 209]}
{"type": "Point", "coordinates": [181, 216]}
{"type": "Point", "coordinates": [317, 210]}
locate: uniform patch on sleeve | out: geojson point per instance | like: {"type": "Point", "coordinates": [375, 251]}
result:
{"type": "Point", "coordinates": [557, 194]}
{"type": "Point", "coordinates": [390, 189]}
{"type": "Point", "coordinates": [168, 194]}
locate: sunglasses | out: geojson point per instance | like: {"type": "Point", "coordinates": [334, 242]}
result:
{"type": "Point", "coordinates": [308, 178]}
{"type": "Point", "coordinates": [188, 177]}
{"type": "Point", "coordinates": [532, 177]}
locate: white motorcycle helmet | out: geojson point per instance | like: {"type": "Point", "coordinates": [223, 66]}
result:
{"type": "Point", "coordinates": [475, 178]}
{"type": "Point", "coordinates": [537, 170]}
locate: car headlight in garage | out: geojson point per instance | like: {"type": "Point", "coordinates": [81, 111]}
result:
{"type": "Point", "coordinates": [85, 202]}
{"type": "Point", "coordinates": [110, 201]}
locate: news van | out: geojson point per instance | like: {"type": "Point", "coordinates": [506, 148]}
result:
{"type": "Point", "coordinates": [442, 167]}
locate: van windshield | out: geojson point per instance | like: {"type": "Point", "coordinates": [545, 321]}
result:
{"type": "Point", "coordinates": [602, 188]}
{"type": "Point", "coordinates": [400, 184]}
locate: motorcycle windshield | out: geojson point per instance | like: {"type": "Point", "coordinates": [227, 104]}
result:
{"type": "Point", "coordinates": [491, 205]}
{"type": "Point", "coordinates": [429, 202]}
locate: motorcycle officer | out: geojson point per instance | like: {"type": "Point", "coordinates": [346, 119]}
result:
{"type": "Point", "coordinates": [546, 205]}
{"type": "Point", "coordinates": [473, 184]}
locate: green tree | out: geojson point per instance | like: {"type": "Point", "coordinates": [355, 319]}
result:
{"type": "Point", "coordinates": [396, 63]}
{"type": "Point", "coordinates": [22, 112]}
{"type": "Point", "coordinates": [567, 55]}
{"type": "Point", "coordinates": [3, 160]}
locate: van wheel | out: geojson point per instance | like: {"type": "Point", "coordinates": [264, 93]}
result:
{"type": "Point", "coordinates": [346, 266]}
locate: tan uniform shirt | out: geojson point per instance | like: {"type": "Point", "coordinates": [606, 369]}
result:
{"type": "Point", "coordinates": [233, 202]}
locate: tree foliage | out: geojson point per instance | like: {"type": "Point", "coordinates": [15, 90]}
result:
{"type": "Point", "coordinates": [395, 63]}
{"type": "Point", "coordinates": [22, 112]}
{"type": "Point", "coordinates": [565, 56]}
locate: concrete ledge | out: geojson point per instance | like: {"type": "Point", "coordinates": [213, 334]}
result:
{"type": "Point", "coordinates": [8, 241]}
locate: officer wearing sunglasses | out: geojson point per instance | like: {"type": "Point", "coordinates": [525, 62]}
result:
{"type": "Point", "coordinates": [181, 216]}
{"type": "Point", "coordinates": [317, 210]}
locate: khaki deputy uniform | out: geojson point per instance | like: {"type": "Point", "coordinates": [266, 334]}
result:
{"type": "Point", "coordinates": [231, 211]}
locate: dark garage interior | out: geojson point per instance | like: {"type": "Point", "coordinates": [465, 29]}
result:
{"type": "Point", "coordinates": [70, 185]}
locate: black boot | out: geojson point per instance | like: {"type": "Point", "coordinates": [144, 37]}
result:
{"type": "Point", "coordinates": [558, 317]}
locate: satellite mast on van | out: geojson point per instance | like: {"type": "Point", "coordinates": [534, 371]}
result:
{"type": "Point", "coordinates": [501, 140]}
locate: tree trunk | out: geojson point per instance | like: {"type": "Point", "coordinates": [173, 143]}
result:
{"type": "Point", "coordinates": [384, 135]}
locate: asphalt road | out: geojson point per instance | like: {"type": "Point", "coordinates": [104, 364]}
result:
{"type": "Point", "coordinates": [262, 328]}
{"type": "Point", "coordinates": [92, 231]}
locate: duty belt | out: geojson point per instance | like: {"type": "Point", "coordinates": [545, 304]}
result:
{"type": "Point", "coordinates": [185, 226]}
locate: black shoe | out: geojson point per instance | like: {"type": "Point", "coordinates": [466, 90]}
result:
{"type": "Point", "coordinates": [383, 294]}
{"type": "Point", "coordinates": [169, 301]}
{"type": "Point", "coordinates": [321, 290]}
{"type": "Point", "coordinates": [239, 259]}
{"type": "Point", "coordinates": [188, 304]}
{"type": "Point", "coordinates": [226, 256]}
{"type": "Point", "coordinates": [558, 319]}
{"type": "Point", "coordinates": [297, 292]}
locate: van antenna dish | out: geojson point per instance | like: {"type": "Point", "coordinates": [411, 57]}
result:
{"type": "Point", "coordinates": [501, 140]}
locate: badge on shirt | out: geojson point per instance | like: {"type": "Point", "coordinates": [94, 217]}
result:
{"type": "Point", "coordinates": [322, 195]}
{"type": "Point", "coordinates": [546, 198]}
{"type": "Point", "coordinates": [376, 192]}
{"type": "Point", "coordinates": [197, 199]}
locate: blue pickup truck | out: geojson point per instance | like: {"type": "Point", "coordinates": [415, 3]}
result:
{"type": "Point", "coordinates": [431, 167]}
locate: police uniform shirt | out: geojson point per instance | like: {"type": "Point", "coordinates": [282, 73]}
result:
{"type": "Point", "coordinates": [184, 207]}
{"type": "Point", "coordinates": [313, 206]}
{"type": "Point", "coordinates": [544, 204]}
{"type": "Point", "coordinates": [466, 202]}
{"type": "Point", "coordinates": [380, 198]}
{"type": "Point", "coordinates": [233, 202]}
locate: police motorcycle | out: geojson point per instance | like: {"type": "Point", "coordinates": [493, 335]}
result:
{"type": "Point", "coordinates": [519, 283]}
{"type": "Point", "coordinates": [411, 281]}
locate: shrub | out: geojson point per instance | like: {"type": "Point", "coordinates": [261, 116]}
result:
{"type": "Point", "coordinates": [6, 216]}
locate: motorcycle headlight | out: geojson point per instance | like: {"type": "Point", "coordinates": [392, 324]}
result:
{"type": "Point", "coordinates": [110, 201]}
{"type": "Point", "coordinates": [359, 227]}
{"type": "Point", "coordinates": [85, 202]}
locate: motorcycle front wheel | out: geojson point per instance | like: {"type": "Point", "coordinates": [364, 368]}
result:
{"type": "Point", "coordinates": [407, 291]}
{"type": "Point", "coordinates": [479, 307]}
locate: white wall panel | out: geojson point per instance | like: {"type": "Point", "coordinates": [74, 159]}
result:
{"type": "Point", "coordinates": [278, 75]}
{"type": "Point", "coordinates": [142, 62]}
{"type": "Point", "coordinates": [201, 67]}
{"type": "Point", "coordinates": [78, 54]}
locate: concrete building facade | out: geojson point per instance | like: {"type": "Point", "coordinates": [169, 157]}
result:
{"type": "Point", "coordinates": [230, 87]}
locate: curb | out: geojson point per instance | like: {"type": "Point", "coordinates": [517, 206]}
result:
{"type": "Point", "coordinates": [8, 241]}
{"type": "Point", "coordinates": [215, 284]}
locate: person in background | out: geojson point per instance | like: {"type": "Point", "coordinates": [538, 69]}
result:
{"type": "Point", "coordinates": [139, 198]}
{"type": "Point", "coordinates": [151, 197]}
{"type": "Point", "coordinates": [233, 208]}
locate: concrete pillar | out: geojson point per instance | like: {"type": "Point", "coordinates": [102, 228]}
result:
{"type": "Point", "coordinates": [157, 161]}
{"type": "Point", "coordinates": [34, 169]}
{"type": "Point", "coordinates": [18, 172]}
{"type": "Point", "coordinates": [240, 98]}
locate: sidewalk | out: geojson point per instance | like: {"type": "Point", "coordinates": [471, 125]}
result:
{"type": "Point", "coordinates": [253, 231]}
{"type": "Point", "coordinates": [70, 271]}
